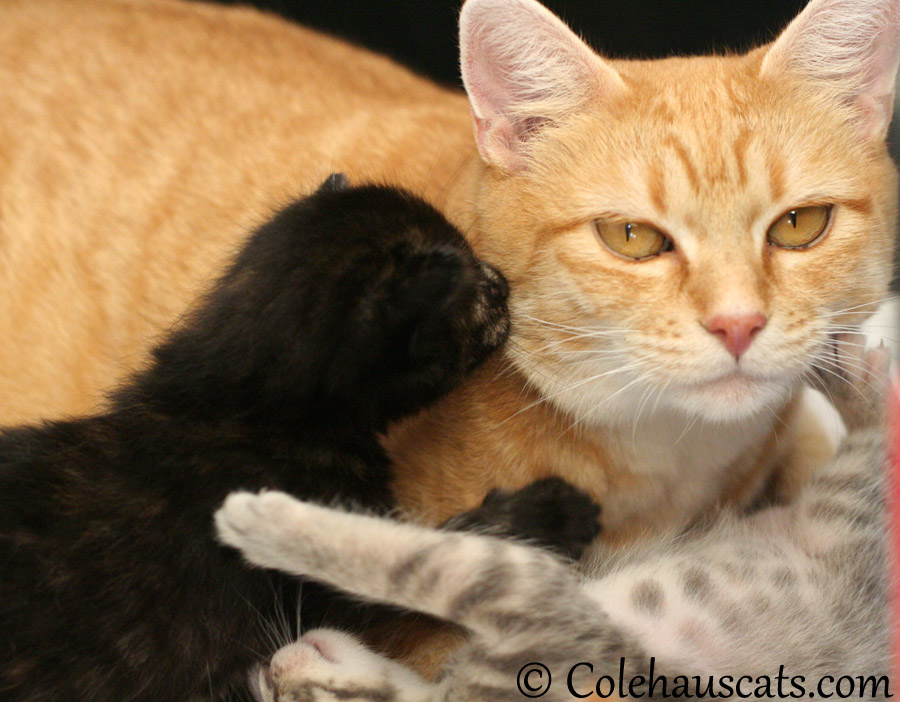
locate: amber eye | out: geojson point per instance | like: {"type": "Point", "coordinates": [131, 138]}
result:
{"type": "Point", "coordinates": [799, 228]}
{"type": "Point", "coordinates": [633, 239]}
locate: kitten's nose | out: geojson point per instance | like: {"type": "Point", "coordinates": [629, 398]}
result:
{"type": "Point", "coordinates": [736, 331]}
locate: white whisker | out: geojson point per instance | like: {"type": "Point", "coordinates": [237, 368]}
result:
{"type": "Point", "coordinates": [846, 310]}
{"type": "Point", "coordinates": [583, 381]}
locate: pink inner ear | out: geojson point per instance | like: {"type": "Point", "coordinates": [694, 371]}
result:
{"type": "Point", "coordinates": [522, 67]}
{"type": "Point", "coordinates": [485, 94]}
{"type": "Point", "coordinates": [489, 98]}
{"type": "Point", "coordinates": [850, 45]}
{"type": "Point", "coordinates": [876, 101]}
{"type": "Point", "coordinates": [875, 115]}
{"type": "Point", "coordinates": [883, 66]}
{"type": "Point", "coordinates": [497, 142]}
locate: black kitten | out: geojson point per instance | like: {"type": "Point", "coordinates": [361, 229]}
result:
{"type": "Point", "coordinates": [348, 310]}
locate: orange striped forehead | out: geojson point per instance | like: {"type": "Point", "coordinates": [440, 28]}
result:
{"type": "Point", "coordinates": [707, 151]}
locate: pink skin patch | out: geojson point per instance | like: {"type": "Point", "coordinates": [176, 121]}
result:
{"type": "Point", "coordinates": [322, 647]}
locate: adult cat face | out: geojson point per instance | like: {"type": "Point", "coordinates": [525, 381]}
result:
{"type": "Point", "coordinates": [683, 233]}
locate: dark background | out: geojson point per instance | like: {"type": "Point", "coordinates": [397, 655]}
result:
{"type": "Point", "coordinates": [422, 33]}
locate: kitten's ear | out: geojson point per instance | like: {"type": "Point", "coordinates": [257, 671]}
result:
{"type": "Point", "coordinates": [522, 67]}
{"type": "Point", "coordinates": [333, 183]}
{"type": "Point", "coordinates": [851, 48]}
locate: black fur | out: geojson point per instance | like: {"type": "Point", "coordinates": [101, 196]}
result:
{"type": "Point", "coordinates": [348, 310]}
{"type": "Point", "coordinates": [550, 513]}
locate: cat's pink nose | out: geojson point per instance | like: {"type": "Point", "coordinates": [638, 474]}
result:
{"type": "Point", "coordinates": [736, 331]}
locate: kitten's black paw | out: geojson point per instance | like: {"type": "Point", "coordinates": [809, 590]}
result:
{"type": "Point", "coordinates": [550, 513]}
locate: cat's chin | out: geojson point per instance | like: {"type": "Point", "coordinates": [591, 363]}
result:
{"type": "Point", "coordinates": [728, 397]}
{"type": "Point", "coordinates": [734, 395]}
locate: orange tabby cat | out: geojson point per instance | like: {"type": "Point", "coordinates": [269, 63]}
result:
{"type": "Point", "coordinates": [680, 235]}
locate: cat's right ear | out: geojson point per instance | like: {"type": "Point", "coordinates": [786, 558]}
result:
{"type": "Point", "coordinates": [522, 68]}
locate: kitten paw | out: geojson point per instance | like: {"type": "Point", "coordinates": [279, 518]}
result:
{"type": "Point", "coordinates": [856, 379]}
{"type": "Point", "coordinates": [550, 512]}
{"type": "Point", "coordinates": [260, 526]}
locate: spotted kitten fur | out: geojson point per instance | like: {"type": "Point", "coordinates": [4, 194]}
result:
{"type": "Point", "coordinates": [800, 586]}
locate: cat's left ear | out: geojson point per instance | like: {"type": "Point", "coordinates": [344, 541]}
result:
{"type": "Point", "coordinates": [851, 48]}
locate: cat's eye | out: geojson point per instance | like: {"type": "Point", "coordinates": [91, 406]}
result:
{"type": "Point", "coordinates": [799, 228]}
{"type": "Point", "coordinates": [633, 240]}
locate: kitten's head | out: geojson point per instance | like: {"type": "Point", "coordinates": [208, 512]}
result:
{"type": "Point", "coordinates": [352, 307]}
{"type": "Point", "coordinates": [403, 310]}
{"type": "Point", "coordinates": [683, 232]}
{"type": "Point", "coordinates": [329, 666]}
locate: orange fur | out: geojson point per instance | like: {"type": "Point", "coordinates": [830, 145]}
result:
{"type": "Point", "coordinates": [140, 140]}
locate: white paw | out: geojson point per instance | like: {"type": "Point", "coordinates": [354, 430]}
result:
{"type": "Point", "coordinates": [881, 328]}
{"type": "Point", "coordinates": [261, 526]}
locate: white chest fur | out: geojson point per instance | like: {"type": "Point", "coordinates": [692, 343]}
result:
{"type": "Point", "coordinates": [681, 467]}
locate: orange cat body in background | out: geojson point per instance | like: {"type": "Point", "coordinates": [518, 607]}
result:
{"type": "Point", "coordinates": [661, 324]}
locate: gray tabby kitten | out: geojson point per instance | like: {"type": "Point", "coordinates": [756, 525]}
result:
{"type": "Point", "coordinates": [784, 597]}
